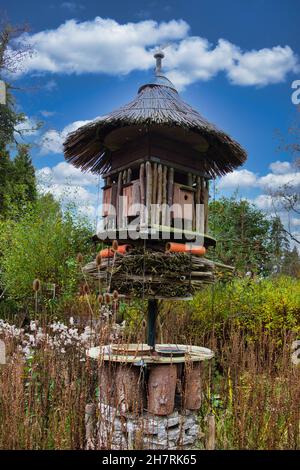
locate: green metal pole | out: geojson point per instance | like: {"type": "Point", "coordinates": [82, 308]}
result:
{"type": "Point", "coordinates": [152, 315]}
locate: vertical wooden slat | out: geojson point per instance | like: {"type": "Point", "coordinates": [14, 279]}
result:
{"type": "Point", "coordinates": [206, 198]}
{"type": "Point", "coordinates": [142, 189]}
{"type": "Point", "coordinates": [148, 189]}
{"type": "Point", "coordinates": [119, 190]}
{"type": "Point", "coordinates": [159, 192]}
{"type": "Point", "coordinates": [164, 193]}
{"type": "Point", "coordinates": [198, 202]}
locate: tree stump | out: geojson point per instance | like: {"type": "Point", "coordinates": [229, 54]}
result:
{"type": "Point", "coordinates": [161, 389]}
{"type": "Point", "coordinates": [192, 386]}
{"type": "Point", "coordinates": [129, 393]}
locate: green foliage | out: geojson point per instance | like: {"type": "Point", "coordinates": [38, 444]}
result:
{"type": "Point", "coordinates": [247, 238]}
{"type": "Point", "coordinates": [18, 183]}
{"type": "Point", "coordinates": [42, 244]}
{"type": "Point", "coordinates": [272, 304]}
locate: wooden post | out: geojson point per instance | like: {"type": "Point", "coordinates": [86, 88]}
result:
{"type": "Point", "coordinates": [211, 432]}
{"type": "Point", "coordinates": [161, 387]}
{"type": "Point", "coordinates": [152, 316]}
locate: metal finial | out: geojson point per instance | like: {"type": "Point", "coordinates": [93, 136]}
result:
{"type": "Point", "coordinates": [158, 56]}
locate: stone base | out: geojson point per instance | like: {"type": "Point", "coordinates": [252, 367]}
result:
{"type": "Point", "coordinates": [179, 430]}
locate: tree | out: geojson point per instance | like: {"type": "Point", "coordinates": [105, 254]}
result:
{"type": "Point", "coordinates": [246, 237]}
{"type": "Point", "coordinates": [18, 183]}
{"type": "Point", "coordinates": [291, 263]}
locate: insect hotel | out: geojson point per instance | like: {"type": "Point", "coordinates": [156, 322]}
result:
{"type": "Point", "coordinates": [156, 156]}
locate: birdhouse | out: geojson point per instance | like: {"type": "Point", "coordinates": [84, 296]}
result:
{"type": "Point", "coordinates": [156, 155]}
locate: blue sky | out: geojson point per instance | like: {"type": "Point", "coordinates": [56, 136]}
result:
{"type": "Point", "coordinates": [233, 60]}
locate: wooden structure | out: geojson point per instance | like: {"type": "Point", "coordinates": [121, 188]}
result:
{"type": "Point", "coordinates": [155, 150]}
{"type": "Point", "coordinates": [156, 156]}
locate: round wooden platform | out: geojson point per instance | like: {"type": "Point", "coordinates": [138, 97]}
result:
{"type": "Point", "coordinates": [192, 353]}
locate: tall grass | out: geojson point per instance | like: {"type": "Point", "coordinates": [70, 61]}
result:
{"type": "Point", "coordinates": [252, 387]}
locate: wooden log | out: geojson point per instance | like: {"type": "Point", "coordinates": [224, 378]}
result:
{"type": "Point", "coordinates": [154, 183]}
{"type": "Point", "coordinates": [142, 190]}
{"type": "Point", "coordinates": [198, 224]}
{"type": "Point", "coordinates": [129, 392]}
{"type": "Point", "coordinates": [206, 198]}
{"type": "Point", "coordinates": [192, 386]}
{"type": "Point", "coordinates": [190, 179]}
{"type": "Point", "coordinates": [161, 389]}
{"type": "Point", "coordinates": [118, 204]}
{"type": "Point", "coordinates": [148, 189]}
{"type": "Point", "coordinates": [129, 175]}
{"type": "Point", "coordinates": [159, 193]}
{"type": "Point", "coordinates": [154, 191]}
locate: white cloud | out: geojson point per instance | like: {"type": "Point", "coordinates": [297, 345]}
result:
{"type": "Point", "coordinates": [238, 179]}
{"type": "Point", "coordinates": [52, 140]}
{"type": "Point", "coordinates": [64, 173]}
{"type": "Point", "coordinates": [69, 185]}
{"type": "Point", "coordinates": [264, 202]}
{"type": "Point", "coordinates": [275, 181]}
{"type": "Point", "coordinates": [280, 168]}
{"type": "Point", "coordinates": [282, 174]}
{"type": "Point", "coordinates": [27, 128]}
{"type": "Point", "coordinates": [50, 85]}
{"type": "Point", "coordinates": [264, 66]}
{"type": "Point", "coordinates": [103, 45]}
{"type": "Point", "coordinates": [46, 113]}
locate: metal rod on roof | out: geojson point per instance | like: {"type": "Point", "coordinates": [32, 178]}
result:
{"type": "Point", "coordinates": [158, 56]}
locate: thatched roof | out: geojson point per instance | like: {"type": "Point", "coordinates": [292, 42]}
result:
{"type": "Point", "coordinates": [157, 106]}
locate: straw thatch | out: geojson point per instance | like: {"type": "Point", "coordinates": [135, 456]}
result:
{"type": "Point", "coordinates": [156, 107]}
